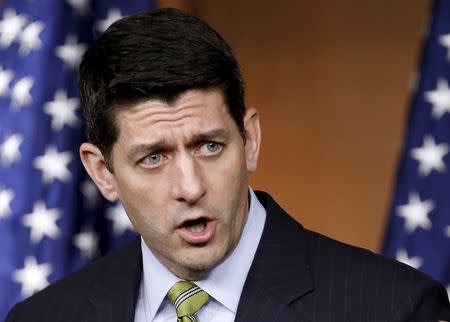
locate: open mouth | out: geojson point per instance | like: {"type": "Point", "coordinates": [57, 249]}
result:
{"type": "Point", "coordinates": [197, 231]}
{"type": "Point", "coordinates": [195, 226]}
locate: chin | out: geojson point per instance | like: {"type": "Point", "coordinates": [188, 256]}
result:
{"type": "Point", "coordinates": [203, 261]}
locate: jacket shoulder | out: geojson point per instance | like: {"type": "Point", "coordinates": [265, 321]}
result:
{"type": "Point", "coordinates": [350, 282]}
{"type": "Point", "coordinates": [326, 252]}
{"type": "Point", "coordinates": [70, 293]}
{"type": "Point", "coordinates": [374, 281]}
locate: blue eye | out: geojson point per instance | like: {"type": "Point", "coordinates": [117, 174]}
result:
{"type": "Point", "coordinates": [212, 146]}
{"type": "Point", "coordinates": [154, 159]}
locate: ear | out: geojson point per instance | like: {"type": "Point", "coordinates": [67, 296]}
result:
{"type": "Point", "coordinates": [95, 165]}
{"type": "Point", "coordinates": [252, 138]}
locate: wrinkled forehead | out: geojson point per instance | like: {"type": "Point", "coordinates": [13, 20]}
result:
{"type": "Point", "coordinates": [196, 110]}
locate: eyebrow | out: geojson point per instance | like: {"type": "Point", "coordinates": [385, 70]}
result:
{"type": "Point", "coordinates": [164, 144]}
{"type": "Point", "coordinates": [215, 134]}
{"type": "Point", "coordinates": [146, 148]}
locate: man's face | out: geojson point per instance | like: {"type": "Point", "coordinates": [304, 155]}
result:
{"type": "Point", "coordinates": [181, 173]}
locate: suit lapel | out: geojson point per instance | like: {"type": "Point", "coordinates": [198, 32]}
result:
{"type": "Point", "coordinates": [280, 274]}
{"type": "Point", "coordinates": [114, 294]}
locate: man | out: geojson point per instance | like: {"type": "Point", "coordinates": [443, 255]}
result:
{"type": "Point", "coordinates": [169, 136]}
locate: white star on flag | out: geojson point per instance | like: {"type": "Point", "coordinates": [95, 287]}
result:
{"type": "Point", "coordinates": [11, 27]}
{"type": "Point", "coordinates": [33, 276]}
{"type": "Point", "coordinates": [62, 110]}
{"type": "Point", "coordinates": [42, 222]}
{"type": "Point", "coordinates": [119, 219]}
{"type": "Point", "coordinates": [430, 156]}
{"type": "Point", "coordinates": [402, 256]}
{"type": "Point", "coordinates": [20, 94]}
{"type": "Point", "coordinates": [447, 231]}
{"type": "Point", "coordinates": [6, 196]}
{"type": "Point", "coordinates": [71, 52]}
{"type": "Point", "coordinates": [113, 15]}
{"type": "Point", "coordinates": [445, 41]}
{"type": "Point", "coordinates": [6, 75]}
{"type": "Point", "coordinates": [54, 165]}
{"type": "Point", "coordinates": [416, 213]}
{"type": "Point", "coordinates": [81, 6]}
{"type": "Point", "coordinates": [10, 149]}
{"type": "Point", "coordinates": [29, 39]}
{"type": "Point", "coordinates": [87, 242]}
{"type": "Point", "coordinates": [439, 98]}
{"type": "Point", "coordinates": [90, 193]}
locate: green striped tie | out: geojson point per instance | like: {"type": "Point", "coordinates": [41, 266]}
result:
{"type": "Point", "coordinates": [188, 298]}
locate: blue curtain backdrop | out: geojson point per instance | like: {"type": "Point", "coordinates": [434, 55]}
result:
{"type": "Point", "coordinates": [418, 231]}
{"type": "Point", "coordinates": [52, 218]}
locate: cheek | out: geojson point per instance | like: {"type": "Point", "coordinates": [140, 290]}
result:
{"type": "Point", "coordinates": [232, 165]}
{"type": "Point", "coordinates": [145, 201]}
{"type": "Point", "coordinates": [229, 187]}
{"type": "Point", "coordinates": [136, 185]}
{"type": "Point", "coordinates": [150, 220]}
{"type": "Point", "coordinates": [233, 178]}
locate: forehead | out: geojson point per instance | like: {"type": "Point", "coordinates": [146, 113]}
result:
{"type": "Point", "coordinates": [195, 109]}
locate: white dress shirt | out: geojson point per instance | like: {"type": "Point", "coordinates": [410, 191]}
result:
{"type": "Point", "coordinates": [223, 283]}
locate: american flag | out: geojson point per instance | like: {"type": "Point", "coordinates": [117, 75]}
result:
{"type": "Point", "coordinates": [418, 231]}
{"type": "Point", "coordinates": [52, 218]}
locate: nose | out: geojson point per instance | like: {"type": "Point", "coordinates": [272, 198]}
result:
{"type": "Point", "coordinates": [188, 184]}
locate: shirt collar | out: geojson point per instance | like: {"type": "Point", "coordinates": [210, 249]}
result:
{"type": "Point", "coordinates": [224, 282]}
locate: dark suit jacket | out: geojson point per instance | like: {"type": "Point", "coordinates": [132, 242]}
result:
{"type": "Point", "coordinates": [296, 275]}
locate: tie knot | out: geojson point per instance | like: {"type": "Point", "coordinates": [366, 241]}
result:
{"type": "Point", "coordinates": [188, 298]}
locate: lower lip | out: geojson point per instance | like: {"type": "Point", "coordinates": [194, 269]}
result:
{"type": "Point", "coordinates": [201, 237]}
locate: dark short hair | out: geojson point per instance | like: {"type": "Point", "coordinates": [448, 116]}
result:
{"type": "Point", "coordinates": [154, 54]}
